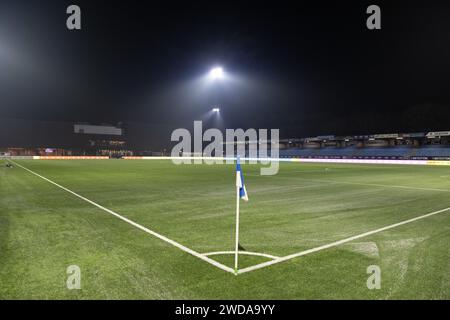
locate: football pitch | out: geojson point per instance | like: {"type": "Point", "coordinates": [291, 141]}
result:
{"type": "Point", "coordinates": [149, 229]}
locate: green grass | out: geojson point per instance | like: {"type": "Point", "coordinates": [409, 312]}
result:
{"type": "Point", "coordinates": [44, 229]}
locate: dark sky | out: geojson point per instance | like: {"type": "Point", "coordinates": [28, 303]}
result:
{"type": "Point", "coordinates": [304, 68]}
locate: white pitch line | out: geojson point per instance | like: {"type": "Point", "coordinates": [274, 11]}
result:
{"type": "Point", "coordinates": [153, 233]}
{"type": "Point", "coordinates": [373, 184]}
{"type": "Point", "coordinates": [249, 253]}
{"type": "Point", "coordinates": [337, 243]}
{"type": "Point", "coordinates": [358, 183]}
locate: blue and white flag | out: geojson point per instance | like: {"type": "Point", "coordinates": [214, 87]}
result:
{"type": "Point", "coordinates": [240, 181]}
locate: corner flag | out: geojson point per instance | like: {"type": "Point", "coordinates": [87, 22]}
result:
{"type": "Point", "coordinates": [240, 182]}
{"type": "Point", "coordinates": [241, 193]}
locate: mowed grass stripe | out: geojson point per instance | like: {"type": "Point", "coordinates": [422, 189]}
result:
{"type": "Point", "coordinates": [281, 218]}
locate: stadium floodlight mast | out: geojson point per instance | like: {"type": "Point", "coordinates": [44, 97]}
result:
{"type": "Point", "coordinates": [216, 73]}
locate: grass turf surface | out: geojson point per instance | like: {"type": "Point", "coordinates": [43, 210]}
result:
{"type": "Point", "coordinates": [44, 229]}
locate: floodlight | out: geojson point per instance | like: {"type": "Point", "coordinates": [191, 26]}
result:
{"type": "Point", "coordinates": [217, 110]}
{"type": "Point", "coordinates": [216, 73]}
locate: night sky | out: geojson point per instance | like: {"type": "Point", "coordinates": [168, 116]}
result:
{"type": "Point", "coordinates": [305, 68]}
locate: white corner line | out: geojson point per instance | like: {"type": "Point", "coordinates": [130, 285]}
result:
{"type": "Point", "coordinates": [337, 243]}
{"type": "Point", "coordinates": [248, 253]}
{"type": "Point", "coordinates": [153, 233]}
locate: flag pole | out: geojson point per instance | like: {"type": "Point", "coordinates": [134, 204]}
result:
{"type": "Point", "coordinates": [236, 254]}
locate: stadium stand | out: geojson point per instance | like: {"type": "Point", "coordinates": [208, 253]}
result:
{"type": "Point", "coordinates": [432, 145]}
{"type": "Point", "coordinates": [432, 151]}
{"type": "Point", "coordinates": [398, 151]}
{"type": "Point", "coordinates": [369, 152]}
{"type": "Point", "coordinates": [41, 138]}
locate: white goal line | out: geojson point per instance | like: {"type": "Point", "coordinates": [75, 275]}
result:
{"type": "Point", "coordinates": [153, 233]}
{"type": "Point", "coordinates": [339, 242]}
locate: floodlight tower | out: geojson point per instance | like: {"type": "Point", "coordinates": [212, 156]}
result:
{"type": "Point", "coordinates": [216, 74]}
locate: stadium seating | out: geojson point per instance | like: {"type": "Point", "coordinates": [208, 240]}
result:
{"type": "Point", "coordinates": [297, 152]}
{"type": "Point", "coordinates": [432, 151]}
{"type": "Point", "coordinates": [369, 152]}
{"type": "Point", "coordinates": [336, 152]}
{"type": "Point", "coordinates": [398, 151]}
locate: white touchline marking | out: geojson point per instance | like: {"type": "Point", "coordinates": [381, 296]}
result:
{"type": "Point", "coordinates": [357, 183]}
{"type": "Point", "coordinates": [337, 243]}
{"type": "Point", "coordinates": [153, 233]}
{"type": "Point", "coordinates": [249, 253]}
{"type": "Point", "coordinates": [372, 184]}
